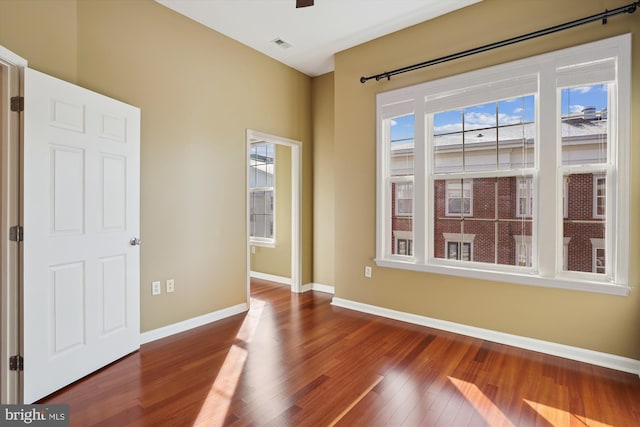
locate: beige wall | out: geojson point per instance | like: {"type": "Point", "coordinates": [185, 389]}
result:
{"type": "Point", "coordinates": [322, 99]}
{"type": "Point", "coordinates": [609, 324]}
{"type": "Point", "coordinates": [277, 260]}
{"type": "Point", "coordinates": [44, 33]}
{"type": "Point", "coordinates": [198, 91]}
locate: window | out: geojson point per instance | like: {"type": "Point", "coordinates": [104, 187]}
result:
{"type": "Point", "coordinates": [599, 196]}
{"type": "Point", "coordinates": [262, 193]}
{"type": "Point", "coordinates": [399, 183]}
{"type": "Point", "coordinates": [459, 198]}
{"type": "Point", "coordinates": [459, 250]}
{"type": "Point", "coordinates": [524, 195]}
{"type": "Point", "coordinates": [599, 259]}
{"type": "Point", "coordinates": [518, 156]}
{"type": "Point", "coordinates": [404, 198]}
{"type": "Point", "coordinates": [524, 256]}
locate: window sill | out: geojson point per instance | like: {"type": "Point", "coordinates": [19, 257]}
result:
{"type": "Point", "coordinates": [262, 243]}
{"type": "Point", "coordinates": [508, 277]}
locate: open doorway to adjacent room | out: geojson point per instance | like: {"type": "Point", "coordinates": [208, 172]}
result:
{"type": "Point", "coordinates": [273, 210]}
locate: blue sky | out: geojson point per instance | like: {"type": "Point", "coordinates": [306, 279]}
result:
{"type": "Point", "coordinates": [511, 111]}
{"type": "Point", "coordinates": [574, 100]}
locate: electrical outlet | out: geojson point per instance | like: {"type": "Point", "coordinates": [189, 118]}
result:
{"type": "Point", "coordinates": [155, 288]}
{"type": "Point", "coordinates": [367, 272]}
{"type": "Point", "coordinates": [253, 249]}
{"type": "Point", "coordinates": [170, 285]}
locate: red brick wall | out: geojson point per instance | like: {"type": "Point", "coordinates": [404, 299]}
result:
{"type": "Point", "coordinates": [487, 229]}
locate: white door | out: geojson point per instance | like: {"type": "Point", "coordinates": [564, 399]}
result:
{"type": "Point", "coordinates": [81, 181]}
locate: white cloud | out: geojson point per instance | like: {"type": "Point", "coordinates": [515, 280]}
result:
{"type": "Point", "coordinates": [582, 89]}
{"type": "Point", "coordinates": [576, 108]}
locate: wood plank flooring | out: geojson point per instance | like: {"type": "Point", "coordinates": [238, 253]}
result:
{"type": "Point", "coordinates": [296, 360]}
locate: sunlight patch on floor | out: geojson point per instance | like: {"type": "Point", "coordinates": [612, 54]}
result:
{"type": "Point", "coordinates": [216, 406]}
{"type": "Point", "coordinates": [557, 416]}
{"type": "Point", "coordinates": [481, 403]}
{"type": "Point", "coordinates": [356, 401]}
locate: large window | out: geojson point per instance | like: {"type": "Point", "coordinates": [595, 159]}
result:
{"type": "Point", "coordinates": [504, 173]}
{"type": "Point", "coordinates": [262, 193]}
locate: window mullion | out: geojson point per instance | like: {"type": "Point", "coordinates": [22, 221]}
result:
{"type": "Point", "coordinates": [419, 187]}
{"type": "Point", "coordinates": [548, 213]}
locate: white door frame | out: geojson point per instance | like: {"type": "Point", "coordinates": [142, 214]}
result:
{"type": "Point", "coordinates": [296, 211]}
{"type": "Point", "coordinates": [11, 70]}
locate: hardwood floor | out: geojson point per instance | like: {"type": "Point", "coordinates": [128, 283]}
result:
{"type": "Point", "coordinates": [296, 360]}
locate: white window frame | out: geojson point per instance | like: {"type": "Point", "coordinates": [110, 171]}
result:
{"type": "Point", "coordinates": [581, 65]}
{"type": "Point", "coordinates": [269, 242]}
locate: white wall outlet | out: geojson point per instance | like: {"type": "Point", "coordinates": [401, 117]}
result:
{"type": "Point", "coordinates": [253, 249]}
{"type": "Point", "coordinates": [367, 271]}
{"type": "Point", "coordinates": [170, 285]}
{"type": "Point", "coordinates": [155, 288]}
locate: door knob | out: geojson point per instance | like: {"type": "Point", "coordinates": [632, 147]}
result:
{"type": "Point", "coordinates": [135, 241]}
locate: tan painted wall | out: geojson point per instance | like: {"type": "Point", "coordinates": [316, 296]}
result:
{"type": "Point", "coordinates": [322, 99]}
{"type": "Point", "coordinates": [277, 260]}
{"type": "Point", "coordinates": [42, 32]}
{"type": "Point", "coordinates": [603, 323]}
{"type": "Point", "coordinates": [199, 91]}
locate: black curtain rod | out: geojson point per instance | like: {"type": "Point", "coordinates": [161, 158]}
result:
{"type": "Point", "coordinates": [630, 8]}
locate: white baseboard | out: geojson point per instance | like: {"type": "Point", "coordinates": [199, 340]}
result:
{"type": "Point", "coordinates": [271, 277]}
{"type": "Point", "coordinates": [194, 322]}
{"type": "Point", "coordinates": [574, 353]}
{"type": "Point", "coordinates": [318, 287]}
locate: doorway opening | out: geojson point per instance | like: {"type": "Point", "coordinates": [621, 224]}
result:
{"type": "Point", "coordinates": [273, 210]}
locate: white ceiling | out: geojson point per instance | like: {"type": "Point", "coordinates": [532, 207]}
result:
{"type": "Point", "coordinates": [315, 33]}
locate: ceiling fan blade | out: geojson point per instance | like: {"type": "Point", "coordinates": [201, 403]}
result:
{"type": "Point", "coordinates": [304, 3]}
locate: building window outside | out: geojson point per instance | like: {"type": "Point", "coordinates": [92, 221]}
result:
{"type": "Point", "coordinates": [599, 196]}
{"type": "Point", "coordinates": [495, 169]}
{"type": "Point", "coordinates": [262, 193]}
{"type": "Point", "coordinates": [459, 250]}
{"type": "Point", "coordinates": [524, 195]}
{"type": "Point", "coordinates": [404, 198]}
{"type": "Point", "coordinates": [524, 253]}
{"type": "Point", "coordinates": [403, 243]}
{"type": "Point", "coordinates": [599, 258]}
{"type": "Point", "coordinates": [459, 198]}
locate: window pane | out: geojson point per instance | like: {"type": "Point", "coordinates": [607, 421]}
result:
{"type": "Point", "coordinates": [584, 124]}
{"type": "Point", "coordinates": [492, 228]}
{"type": "Point", "coordinates": [480, 137]}
{"type": "Point", "coordinates": [261, 214]}
{"type": "Point", "coordinates": [516, 133]}
{"type": "Point", "coordinates": [447, 141]}
{"type": "Point", "coordinates": [581, 228]}
{"type": "Point", "coordinates": [401, 147]}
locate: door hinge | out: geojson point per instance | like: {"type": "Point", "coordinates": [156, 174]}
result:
{"type": "Point", "coordinates": [17, 103]}
{"type": "Point", "coordinates": [16, 233]}
{"type": "Point", "coordinates": [16, 363]}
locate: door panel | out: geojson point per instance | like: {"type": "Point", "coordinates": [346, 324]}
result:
{"type": "Point", "coordinates": [81, 307]}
